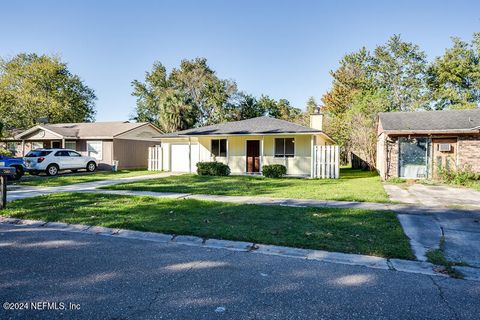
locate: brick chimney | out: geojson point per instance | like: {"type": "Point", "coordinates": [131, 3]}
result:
{"type": "Point", "coordinates": [316, 119]}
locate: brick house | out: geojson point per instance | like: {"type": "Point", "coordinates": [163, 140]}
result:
{"type": "Point", "coordinates": [413, 144]}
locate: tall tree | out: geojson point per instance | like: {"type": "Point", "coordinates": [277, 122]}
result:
{"type": "Point", "coordinates": [391, 79]}
{"type": "Point", "coordinates": [208, 93]}
{"type": "Point", "coordinates": [399, 68]}
{"type": "Point", "coordinates": [36, 86]}
{"type": "Point", "coordinates": [353, 75]}
{"type": "Point", "coordinates": [192, 93]}
{"type": "Point", "coordinates": [148, 94]}
{"type": "Point", "coordinates": [454, 78]}
{"type": "Point", "coordinates": [311, 105]}
{"type": "Point", "coordinates": [248, 107]}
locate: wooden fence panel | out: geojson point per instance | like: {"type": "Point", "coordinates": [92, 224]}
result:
{"type": "Point", "coordinates": [326, 162]}
{"type": "Point", "coordinates": [155, 158]}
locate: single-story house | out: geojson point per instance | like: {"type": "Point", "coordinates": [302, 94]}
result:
{"type": "Point", "coordinates": [120, 141]}
{"type": "Point", "coordinates": [413, 145]}
{"type": "Point", "coordinates": [246, 145]}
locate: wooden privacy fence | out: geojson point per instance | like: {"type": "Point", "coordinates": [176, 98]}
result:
{"type": "Point", "coordinates": [326, 160]}
{"type": "Point", "coordinates": [155, 158]}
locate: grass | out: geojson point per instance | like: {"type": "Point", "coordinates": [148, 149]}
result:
{"type": "Point", "coordinates": [474, 185]}
{"type": "Point", "coordinates": [353, 185]}
{"type": "Point", "coordinates": [72, 178]}
{"type": "Point", "coordinates": [437, 257]}
{"type": "Point", "coordinates": [333, 229]}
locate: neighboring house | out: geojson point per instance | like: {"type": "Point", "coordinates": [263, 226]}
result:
{"type": "Point", "coordinates": [247, 145]}
{"type": "Point", "coordinates": [106, 141]}
{"type": "Point", "coordinates": [414, 144]}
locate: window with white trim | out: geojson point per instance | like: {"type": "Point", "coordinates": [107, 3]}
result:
{"type": "Point", "coordinates": [37, 145]}
{"type": "Point", "coordinates": [95, 149]}
{"type": "Point", "coordinates": [284, 147]}
{"type": "Point", "coordinates": [71, 145]}
{"type": "Point", "coordinates": [219, 147]}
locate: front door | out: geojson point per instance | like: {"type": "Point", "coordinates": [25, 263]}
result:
{"type": "Point", "coordinates": [253, 156]}
{"type": "Point", "coordinates": [56, 144]}
{"type": "Point", "coordinates": [444, 154]}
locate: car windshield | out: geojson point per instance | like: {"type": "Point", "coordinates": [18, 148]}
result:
{"type": "Point", "coordinates": [37, 153]}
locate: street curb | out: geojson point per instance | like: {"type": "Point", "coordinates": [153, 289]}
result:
{"type": "Point", "coordinates": [409, 266]}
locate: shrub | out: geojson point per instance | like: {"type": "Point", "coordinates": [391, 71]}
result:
{"type": "Point", "coordinates": [213, 168]}
{"type": "Point", "coordinates": [396, 180]}
{"type": "Point", "coordinates": [274, 171]}
{"type": "Point", "coordinates": [5, 152]}
{"type": "Point", "coordinates": [461, 176]}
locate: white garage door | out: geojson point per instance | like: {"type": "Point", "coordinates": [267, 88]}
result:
{"type": "Point", "coordinates": [180, 157]}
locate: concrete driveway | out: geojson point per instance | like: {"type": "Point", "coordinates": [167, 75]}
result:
{"type": "Point", "coordinates": [113, 278]}
{"type": "Point", "coordinates": [434, 196]}
{"type": "Point", "coordinates": [438, 217]}
{"type": "Point", "coordinates": [460, 229]}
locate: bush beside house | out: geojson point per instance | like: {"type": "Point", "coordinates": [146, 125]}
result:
{"type": "Point", "coordinates": [213, 168]}
{"type": "Point", "coordinates": [274, 171]}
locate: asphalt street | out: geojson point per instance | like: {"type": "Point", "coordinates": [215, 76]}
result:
{"type": "Point", "coordinates": [104, 277]}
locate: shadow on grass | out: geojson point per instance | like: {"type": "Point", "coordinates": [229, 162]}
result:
{"type": "Point", "coordinates": [355, 185]}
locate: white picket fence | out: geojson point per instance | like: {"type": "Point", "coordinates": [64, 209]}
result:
{"type": "Point", "coordinates": [155, 158]}
{"type": "Point", "coordinates": [326, 161]}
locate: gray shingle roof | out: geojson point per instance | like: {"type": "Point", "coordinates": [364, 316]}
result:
{"type": "Point", "coordinates": [93, 129]}
{"type": "Point", "coordinates": [259, 125]}
{"type": "Point", "coordinates": [430, 120]}
{"type": "Point", "coordinates": [90, 129]}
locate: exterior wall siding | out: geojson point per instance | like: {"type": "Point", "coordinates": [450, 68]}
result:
{"type": "Point", "coordinates": [131, 153]}
{"type": "Point", "coordinates": [236, 152]}
{"type": "Point", "coordinates": [469, 152]}
{"type": "Point", "coordinates": [380, 160]}
{"type": "Point", "coordinates": [391, 158]}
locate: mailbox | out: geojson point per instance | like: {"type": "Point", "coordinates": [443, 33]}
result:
{"type": "Point", "coordinates": [5, 172]}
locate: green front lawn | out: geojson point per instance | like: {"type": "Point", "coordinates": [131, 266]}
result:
{"type": "Point", "coordinates": [72, 178]}
{"type": "Point", "coordinates": [353, 185]}
{"type": "Point", "coordinates": [333, 229]}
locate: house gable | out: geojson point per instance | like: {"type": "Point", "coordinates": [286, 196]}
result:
{"type": "Point", "coordinates": [146, 132]}
{"type": "Point", "coordinates": [40, 133]}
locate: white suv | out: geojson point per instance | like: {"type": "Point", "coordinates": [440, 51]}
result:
{"type": "Point", "coordinates": [53, 160]}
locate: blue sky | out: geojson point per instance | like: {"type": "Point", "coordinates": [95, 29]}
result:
{"type": "Point", "coordinates": [281, 48]}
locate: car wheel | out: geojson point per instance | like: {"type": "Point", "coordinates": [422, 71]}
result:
{"type": "Point", "coordinates": [18, 174]}
{"type": "Point", "coordinates": [52, 170]}
{"type": "Point", "coordinates": [91, 166]}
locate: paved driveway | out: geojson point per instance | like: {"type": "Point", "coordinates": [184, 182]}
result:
{"type": "Point", "coordinates": [460, 229]}
{"type": "Point", "coordinates": [112, 278]}
{"type": "Point", "coordinates": [425, 226]}
{"type": "Point", "coordinates": [434, 196]}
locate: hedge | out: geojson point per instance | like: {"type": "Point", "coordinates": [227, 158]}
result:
{"type": "Point", "coordinates": [274, 170]}
{"type": "Point", "coordinates": [213, 168]}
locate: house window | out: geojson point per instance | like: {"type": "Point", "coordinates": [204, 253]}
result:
{"type": "Point", "coordinates": [284, 147]}
{"type": "Point", "coordinates": [37, 145]}
{"type": "Point", "coordinates": [71, 145]}
{"type": "Point", "coordinates": [219, 147]}
{"type": "Point", "coordinates": [94, 149]}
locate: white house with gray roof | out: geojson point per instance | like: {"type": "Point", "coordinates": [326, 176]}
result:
{"type": "Point", "coordinates": [413, 145]}
{"type": "Point", "coordinates": [246, 145]}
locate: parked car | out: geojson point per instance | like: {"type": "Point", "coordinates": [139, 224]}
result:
{"type": "Point", "coordinates": [13, 162]}
{"type": "Point", "coordinates": [51, 161]}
